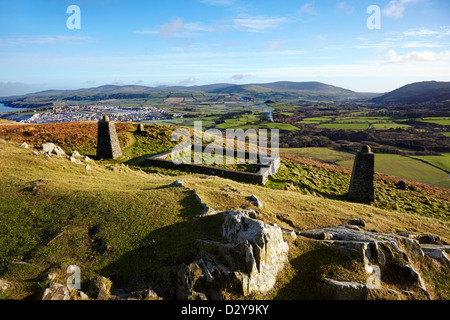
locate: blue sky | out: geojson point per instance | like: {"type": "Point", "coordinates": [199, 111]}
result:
{"type": "Point", "coordinates": [194, 42]}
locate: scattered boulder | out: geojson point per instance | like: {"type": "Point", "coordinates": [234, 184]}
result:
{"type": "Point", "coordinates": [340, 290]}
{"type": "Point", "coordinates": [76, 154]}
{"type": "Point", "coordinates": [59, 152]}
{"type": "Point", "coordinates": [48, 147]}
{"type": "Point", "coordinates": [2, 141]}
{"type": "Point", "coordinates": [358, 222]}
{"type": "Point", "coordinates": [178, 183]}
{"type": "Point", "coordinates": [256, 201]}
{"type": "Point", "coordinates": [149, 294]}
{"type": "Point", "coordinates": [100, 288]}
{"type": "Point", "coordinates": [74, 160]}
{"type": "Point", "coordinates": [438, 253]}
{"type": "Point", "coordinates": [428, 239]}
{"type": "Point", "coordinates": [4, 285]}
{"type": "Point", "coordinates": [25, 145]}
{"type": "Point", "coordinates": [55, 291]}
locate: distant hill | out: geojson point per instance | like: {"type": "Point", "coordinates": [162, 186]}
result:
{"type": "Point", "coordinates": [287, 86]}
{"type": "Point", "coordinates": [202, 88]}
{"type": "Point", "coordinates": [304, 86]}
{"type": "Point", "coordinates": [314, 87]}
{"type": "Point", "coordinates": [419, 92]}
{"type": "Point", "coordinates": [101, 89]}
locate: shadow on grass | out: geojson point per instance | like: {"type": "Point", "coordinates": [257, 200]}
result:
{"type": "Point", "coordinates": [164, 248]}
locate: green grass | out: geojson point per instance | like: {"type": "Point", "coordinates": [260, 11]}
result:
{"type": "Point", "coordinates": [442, 161]}
{"type": "Point", "coordinates": [319, 154]}
{"type": "Point", "coordinates": [394, 165]}
{"type": "Point", "coordinates": [357, 123]}
{"type": "Point", "coordinates": [315, 120]}
{"type": "Point", "coordinates": [129, 226]}
{"type": "Point", "coordinates": [407, 168]}
{"type": "Point", "coordinates": [49, 209]}
{"type": "Point", "coordinates": [444, 121]}
{"type": "Point", "coordinates": [321, 182]}
{"type": "Point", "coordinates": [280, 126]}
{"type": "Point", "coordinates": [361, 126]}
{"type": "Point", "coordinates": [344, 126]}
{"type": "Point", "coordinates": [363, 119]}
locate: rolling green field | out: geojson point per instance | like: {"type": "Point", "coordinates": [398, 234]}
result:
{"type": "Point", "coordinates": [442, 161]}
{"type": "Point", "coordinates": [407, 168]}
{"type": "Point", "coordinates": [316, 120]}
{"type": "Point", "coordinates": [390, 164]}
{"type": "Point", "coordinates": [354, 123]}
{"type": "Point", "coordinates": [319, 154]}
{"type": "Point", "coordinates": [443, 121]}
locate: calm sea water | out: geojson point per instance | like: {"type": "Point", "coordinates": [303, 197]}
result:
{"type": "Point", "coordinates": [7, 109]}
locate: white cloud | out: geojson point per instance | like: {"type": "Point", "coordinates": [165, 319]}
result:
{"type": "Point", "coordinates": [396, 8]}
{"type": "Point", "coordinates": [237, 77]}
{"type": "Point", "coordinates": [187, 82]}
{"type": "Point", "coordinates": [171, 29]}
{"type": "Point", "coordinates": [42, 40]}
{"type": "Point", "coordinates": [307, 8]}
{"type": "Point", "coordinates": [177, 28]}
{"type": "Point", "coordinates": [258, 23]}
{"type": "Point", "coordinates": [345, 7]}
{"type": "Point", "coordinates": [420, 33]}
{"type": "Point", "coordinates": [418, 44]}
{"type": "Point", "coordinates": [417, 56]}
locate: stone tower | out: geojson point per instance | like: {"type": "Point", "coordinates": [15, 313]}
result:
{"type": "Point", "coordinates": [108, 146]}
{"type": "Point", "coordinates": [361, 184]}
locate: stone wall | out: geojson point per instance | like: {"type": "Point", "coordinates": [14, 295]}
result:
{"type": "Point", "coordinates": [268, 166]}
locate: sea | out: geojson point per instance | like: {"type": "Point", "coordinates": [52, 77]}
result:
{"type": "Point", "coordinates": [3, 108]}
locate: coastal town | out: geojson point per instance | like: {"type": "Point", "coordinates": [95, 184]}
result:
{"type": "Point", "coordinates": [96, 112]}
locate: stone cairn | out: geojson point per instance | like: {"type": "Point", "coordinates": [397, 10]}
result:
{"type": "Point", "coordinates": [361, 184]}
{"type": "Point", "coordinates": [140, 128]}
{"type": "Point", "coordinates": [108, 146]}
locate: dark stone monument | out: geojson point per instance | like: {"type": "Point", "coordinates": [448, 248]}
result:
{"type": "Point", "coordinates": [140, 128]}
{"type": "Point", "coordinates": [108, 146]}
{"type": "Point", "coordinates": [361, 184]}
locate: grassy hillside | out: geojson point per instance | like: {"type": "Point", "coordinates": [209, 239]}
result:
{"type": "Point", "coordinates": [427, 169]}
{"type": "Point", "coordinates": [408, 168]}
{"type": "Point", "coordinates": [125, 223]}
{"type": "Point", "coordinates": [418, 92]}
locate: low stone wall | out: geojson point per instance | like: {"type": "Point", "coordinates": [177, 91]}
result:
{"type": "Point", "coordinates": [267, 168]}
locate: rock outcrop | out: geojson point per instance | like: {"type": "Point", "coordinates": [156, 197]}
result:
{"type": "Point", "coordinates": [55, 291]}
{"type": "Point", "coordinates": [391, 252]}
{"type": "Point", "coordinates": [248, 261]}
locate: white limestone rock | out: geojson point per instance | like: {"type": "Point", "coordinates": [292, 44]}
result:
{"type": "Point", "coordinates": [265, 250]}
